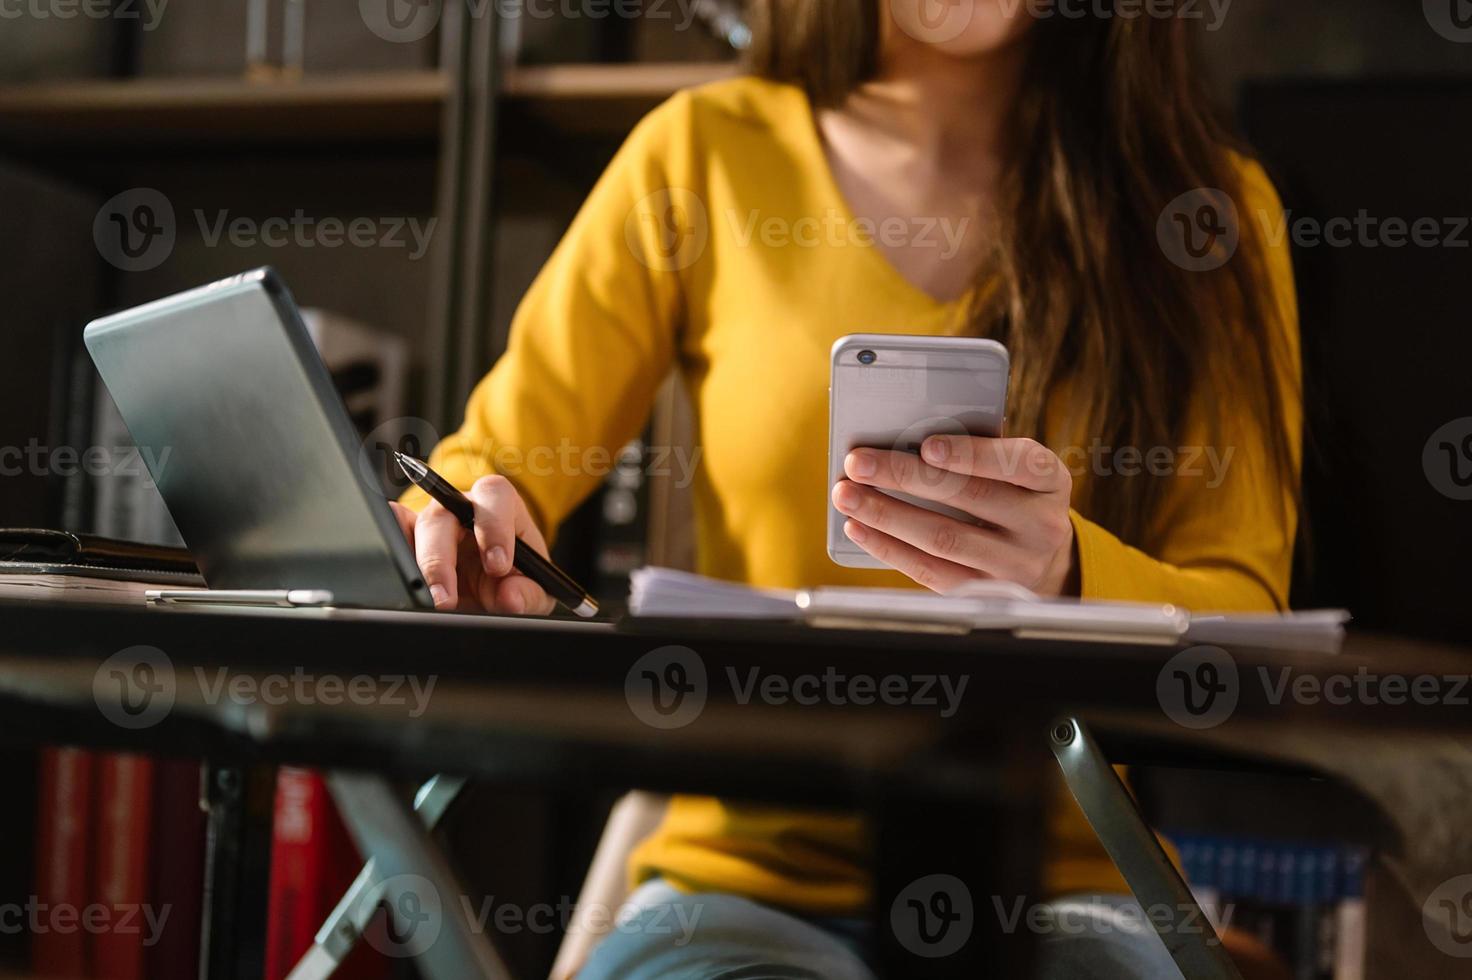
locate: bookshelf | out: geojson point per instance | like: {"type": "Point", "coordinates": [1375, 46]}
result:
{"type": "Point", "coordinates": [339, 107]}
{"type": "Point", "coordinates": [497, 154]}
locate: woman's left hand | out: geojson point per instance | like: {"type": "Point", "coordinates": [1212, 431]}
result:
{"type": "Point", "coordinates": [1018, 489]}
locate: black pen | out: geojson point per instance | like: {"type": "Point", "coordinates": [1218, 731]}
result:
{"type": "Point", "coordinates": [557, 583]}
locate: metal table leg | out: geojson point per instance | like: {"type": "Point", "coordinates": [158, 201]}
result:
{"type": "Point", "coordinates": [427, 918]}
{"type": "Point", "coordinates": [344, 927]}
{"type": "Point", "coordinates": [237, 870]}
{"type": "Point", "coordinates": [1131, 844]}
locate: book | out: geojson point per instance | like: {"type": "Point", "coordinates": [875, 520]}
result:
{"type": "Point", "coordinates": [63, 856]}
{"type": "Point", "coordinates": [1303, 900]}
{"type": "Point", "coordinates": [123, 835]}
{"type": "Point", "coordinates": [982, 605]}
{"type": "Point", "coordinates": [313, 861]}
{"type": "Point", "coordinates": [297, 858]}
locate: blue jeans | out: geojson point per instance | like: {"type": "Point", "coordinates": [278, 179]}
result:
{"type": "Point", "coordinates": [665, 934]}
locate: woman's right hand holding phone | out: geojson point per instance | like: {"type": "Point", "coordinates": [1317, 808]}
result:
{"type": "Point", "coordinates": [473, 571]}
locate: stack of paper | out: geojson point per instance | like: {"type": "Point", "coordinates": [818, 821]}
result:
{"type": "Point", "coordinates": [665, 592]}
{"type": "Point", "coordinates": [1314, 631]}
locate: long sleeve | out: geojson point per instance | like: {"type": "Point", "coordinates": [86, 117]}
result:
{"type": "Point", "coordinates": [590, 341]}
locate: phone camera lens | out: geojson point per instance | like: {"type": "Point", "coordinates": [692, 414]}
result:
{"type": "Point", "coordinates": [867, 357]}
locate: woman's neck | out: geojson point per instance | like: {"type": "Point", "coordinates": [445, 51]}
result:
{"type": "Point", "coordinates": [949, 111]}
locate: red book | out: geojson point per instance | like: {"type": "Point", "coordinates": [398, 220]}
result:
{"type": "Point", "coordinates": [63, 822]}
{"type": "Point", "coordinates": [313, 861]}
{"type": "Point", "coordinates": [123, 831]}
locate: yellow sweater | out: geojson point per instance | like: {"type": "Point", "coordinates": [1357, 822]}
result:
{"type": "Point", "coordinates": [718, 242]}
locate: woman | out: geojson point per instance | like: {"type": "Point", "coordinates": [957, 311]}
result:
{"type": "Point", "coordinates": [992, 172]}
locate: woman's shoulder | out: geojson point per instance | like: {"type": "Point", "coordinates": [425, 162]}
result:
{"type": "Point", "coordinates": [741, 98]}
{"type": "Point", "coordinates": [1259, 196]}
{"type": "Point", "coordinates": [734, 109]}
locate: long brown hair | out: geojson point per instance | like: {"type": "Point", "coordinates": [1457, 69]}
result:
{"type": "Point", "coordinates": [1110, 126]}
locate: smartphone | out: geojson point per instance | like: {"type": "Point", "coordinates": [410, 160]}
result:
{"type": "Point", "coordinates": [891, 391]}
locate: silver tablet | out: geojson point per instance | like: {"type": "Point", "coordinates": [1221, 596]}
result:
{"type": "Point", "coordinates": [251, 447]}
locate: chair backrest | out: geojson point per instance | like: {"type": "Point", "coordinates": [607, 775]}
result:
{"type": "Point", "coordinates": [1377, 180]}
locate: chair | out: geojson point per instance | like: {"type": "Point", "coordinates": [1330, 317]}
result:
{"type": "Point", "coordinates": [633, 818]}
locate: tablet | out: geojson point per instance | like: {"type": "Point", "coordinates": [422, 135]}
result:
{"type": "Point", "coordinates": [251, 447]}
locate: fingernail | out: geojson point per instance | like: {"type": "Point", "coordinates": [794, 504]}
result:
{"type": "Point", "coordinates": [515, 604]}
{"type": "Point", "coordinates": [440, 594]}
{"type": "Point", "coordinates": [847, 497]}
{"type": "Point", "coordinates": [855, 531]}
{"type": "Point", "coordinates": [935, 450]}
{"type": "Point", "coordinates": [862, 464]}
{"type": "Point", "coordinates": [498, 560]}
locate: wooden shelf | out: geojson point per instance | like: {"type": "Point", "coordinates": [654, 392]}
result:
{"type": "Point", "coordinates": [600, 100]}
{"type": "Point", "coordinates": [603, 82]}
{"type": "Point", "coordinates": [319, 109]}
{"type": "Point", "coordinates": [151, 111]}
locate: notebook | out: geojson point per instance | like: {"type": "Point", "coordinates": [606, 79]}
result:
{"type": "Point", "coordinates": [982, 605]}
{"type": "Point", "coordinates": [60, 565]}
